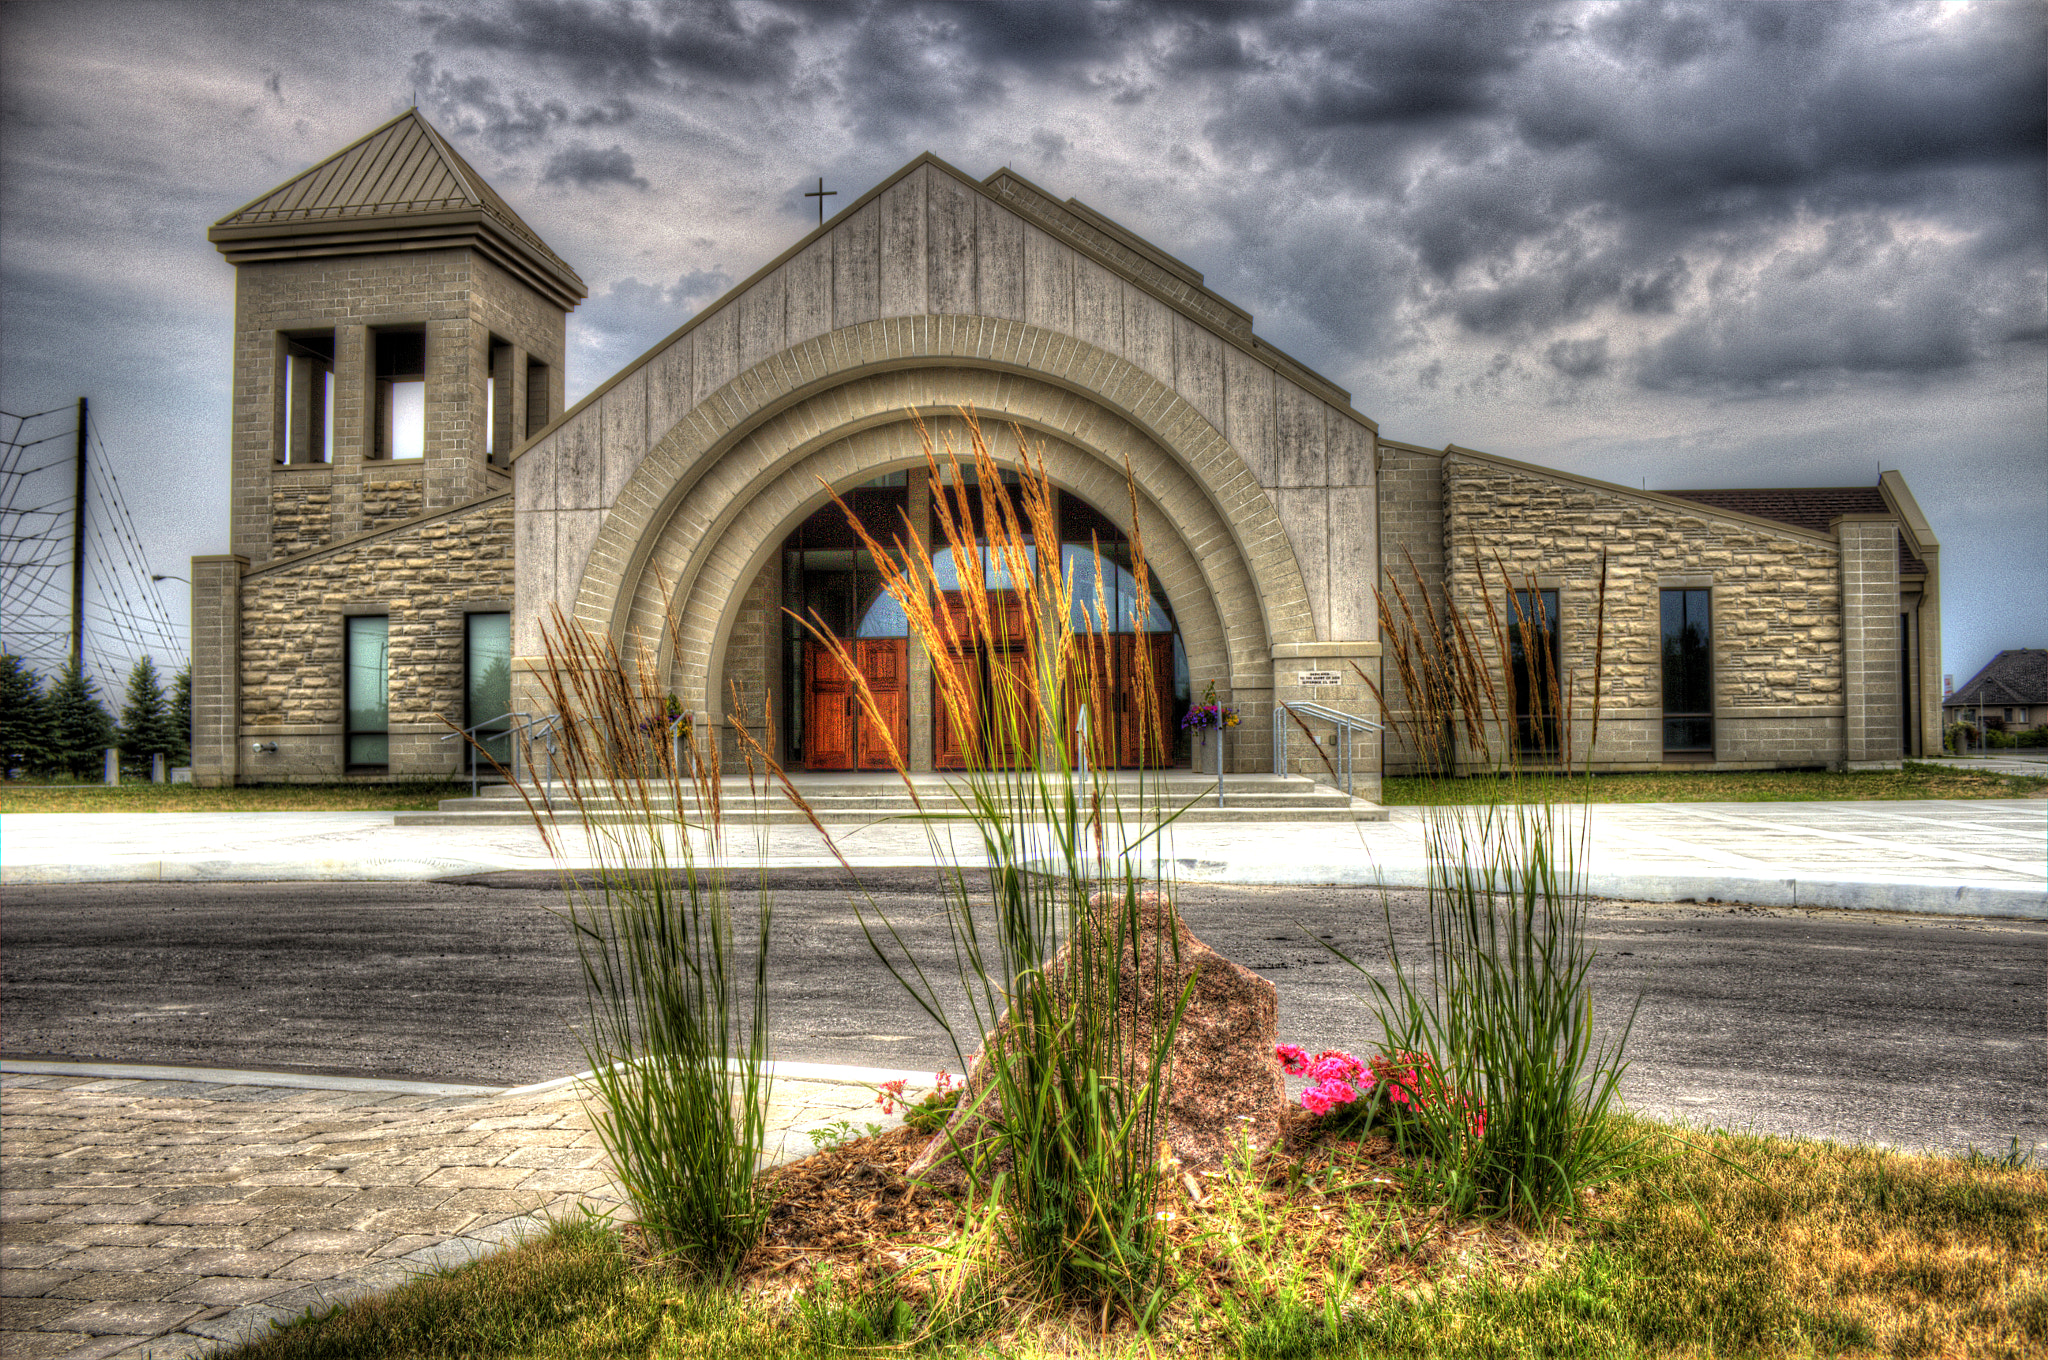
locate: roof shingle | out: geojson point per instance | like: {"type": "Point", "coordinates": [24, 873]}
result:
{"type": "Point", "coordinates": [2018, 676]}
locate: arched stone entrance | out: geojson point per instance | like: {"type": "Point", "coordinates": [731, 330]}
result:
{"type": "Point", "coordinates": [693, 526]}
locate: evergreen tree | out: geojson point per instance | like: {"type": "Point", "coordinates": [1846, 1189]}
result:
{"type": "Point", "coordinates": [146, 723]}
{"type": "Point", "coordinates": [24, 721]}
{"type": "Point", "coordinates": [80, 730]}
{"type": "Point", "coordinates": [181, 717]}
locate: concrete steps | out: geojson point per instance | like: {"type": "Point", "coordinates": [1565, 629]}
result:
{"type": "Point", "coordinates": [855, 801]}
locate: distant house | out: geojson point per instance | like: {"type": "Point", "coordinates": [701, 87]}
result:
{"type": "Point", "coordinates": [2010, 693]}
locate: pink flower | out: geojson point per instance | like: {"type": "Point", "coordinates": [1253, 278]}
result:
{"type": "Point", "coordinates": [945, 1082]}
{"type": "Point", "coordinates": [1293, 1061]}
{"type": "Point", "coordinates": [1335, 1065]}
{"type": "Point", "coordinates": [890, 1094]}
{"type": "Point", "coordinates": [1326, 1095]}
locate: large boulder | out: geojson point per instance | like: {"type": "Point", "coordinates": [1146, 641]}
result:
{"type": "Point", "coordinates": [1226, 1085]}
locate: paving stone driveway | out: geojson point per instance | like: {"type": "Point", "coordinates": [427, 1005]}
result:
{"type": "Point", "coordinates": [171, 1218]}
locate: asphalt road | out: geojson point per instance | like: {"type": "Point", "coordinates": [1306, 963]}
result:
{"type": "Point", "coordinates": [1912, 1031]}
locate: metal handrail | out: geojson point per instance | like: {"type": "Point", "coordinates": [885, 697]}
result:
{"type": "Point", "coordinates": [523, 726]}
{"type": "Point", "coordinates": [1346, 723]}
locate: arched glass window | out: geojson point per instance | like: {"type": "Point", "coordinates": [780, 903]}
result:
{"type": "Point", "coordinates": [884, 618]}
{"type": "Point", "coordinates": [1103, 585]}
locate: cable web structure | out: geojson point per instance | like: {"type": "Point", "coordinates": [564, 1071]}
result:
{"type": "Point", "coordinates": [124, 613]}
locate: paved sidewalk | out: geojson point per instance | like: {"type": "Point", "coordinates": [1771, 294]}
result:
{"type": "Point", "coordinates": [171, 1217]}
{"type": "Point", "coordinates": [1959, 857]}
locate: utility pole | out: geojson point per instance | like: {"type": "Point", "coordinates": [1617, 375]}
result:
{"type": "Point", "coordinates": [78, 548]}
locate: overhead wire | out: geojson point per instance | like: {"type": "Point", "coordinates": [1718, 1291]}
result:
{"type": "Point", "coordinates": [123, 610]}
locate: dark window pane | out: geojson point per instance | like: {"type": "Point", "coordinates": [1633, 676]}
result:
{"type": "Point", "coordinates": [1688, 734]}
{"type": "Point", "coordinates": [1687, 628]}
{"type": "Point", "coordinates": [1533, 657]}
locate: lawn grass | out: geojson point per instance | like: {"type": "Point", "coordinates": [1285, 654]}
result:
{"type": "Point", "coordinates": [1724, 1244]}
{"type": "Point", "coordinates": [1737, 786]}
{"type": "Point", "coordinates": [409, 796]}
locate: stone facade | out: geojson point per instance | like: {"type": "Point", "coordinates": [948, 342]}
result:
{"type": "Point", "coordinates": [461, 300]}
{"type": "Point", "coordinates": [930, 293]}
{"type": "Point", "coordinates": [426, 577]}
{"type": "Point", "coordinates": [301, 518]}
{"type": "Point", "coordinates": [1776, 607]}
{"type": "Point", "coordinates": [393, 234]}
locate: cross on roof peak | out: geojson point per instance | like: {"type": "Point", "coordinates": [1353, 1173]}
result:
{"type": "Point", "coordinates": [821, 194]}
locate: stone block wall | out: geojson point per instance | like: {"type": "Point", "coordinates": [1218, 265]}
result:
{"type": "Point", "coordinates": [753, 678]}
{"type": "Point", "coordinates": [1778, 648]}
{"type": "Point", "coordinates": [1411, 568]}
{"type": "Point", "coordinates": [216, 669]}
{"type": "Point", "coordinates": [425, 576]}
{"type": "Point", "coordinates": [388, 499]}
{"type": "Point", "coordinates": [1874, 712]}
{"type": "Point", "coordinates": [301, 518]}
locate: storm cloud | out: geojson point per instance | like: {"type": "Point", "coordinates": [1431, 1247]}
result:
{"type": "Point", "coordinates": [1670, 242]}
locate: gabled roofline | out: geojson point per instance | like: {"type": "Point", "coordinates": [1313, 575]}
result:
{"type": "Point", "coordinates": [316, 165]}
{"type": "Point", "coordinates": [1266, 354]}
{"type": "Point", "coordinates": [1110, 225]}
{"type": "Point", "coordinates": [1698, 509]}
{"type": "Point", "coordinates": [1896, 494]}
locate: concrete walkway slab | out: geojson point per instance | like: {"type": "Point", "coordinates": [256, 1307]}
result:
{"type": "Point", "coordinates": [1943, 856]}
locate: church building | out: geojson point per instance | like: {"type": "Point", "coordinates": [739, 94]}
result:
{"type": "Point", "coordinates": [411, 500]}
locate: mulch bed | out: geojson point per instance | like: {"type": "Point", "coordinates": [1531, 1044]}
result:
{"type": "Point", "coordinates": [849, 1213]}
{"type": "Point", "coordinates": [851, 1209]}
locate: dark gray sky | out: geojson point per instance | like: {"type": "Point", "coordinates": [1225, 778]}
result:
{"type": "Point", "coordinates": [1720, 244]}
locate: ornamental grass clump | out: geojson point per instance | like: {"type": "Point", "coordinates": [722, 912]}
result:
{"type": "Point", "coordinates": [1495, 1074]}
{"type": "Point", "coordinates": [1063, 934]}
{"type": "Point", "coordinates": [676, 1024]}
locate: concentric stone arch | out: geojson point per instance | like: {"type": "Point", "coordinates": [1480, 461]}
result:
{"type": "Point", "coordinates": [671, 523]}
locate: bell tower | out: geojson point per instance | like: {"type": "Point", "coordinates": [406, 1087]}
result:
{"type": "Point", "coordinates": [398, 331]}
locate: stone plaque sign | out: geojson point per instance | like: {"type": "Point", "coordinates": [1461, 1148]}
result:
{"type": "Point", "coordinates": [1308, 678]}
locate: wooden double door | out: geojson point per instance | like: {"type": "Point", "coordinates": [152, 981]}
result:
{"type": "Point", "coordinates": [1128, 688]}
{"type": "Point", "coordinates": [1129, 719]}
{"type": "Point", "coordinates": [1129, 713]}
{"type": "Point", "coordinates": [838, 733]}
{"type": "Point", "coordinates": [999, 726]}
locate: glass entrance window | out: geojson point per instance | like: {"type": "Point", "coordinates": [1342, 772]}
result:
{"type": "Point", "coordinates": [487, 693]}
{"type": "Point", "coordinates": [367, 679]}
{"type": "Point", "coordinates": [1688, 636]}
{"type": "Point", "coordinates": [1533, 658]}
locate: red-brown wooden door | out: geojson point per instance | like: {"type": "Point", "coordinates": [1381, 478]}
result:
{"type": "Point", "coordinates": [885, 662]}
{"type": "Point", "coordinates": [828, 710]}
{"type": "Point", "coordinates": [838, 735]}
{"type": "Point", "coordinates": [998, 719]}
{"type": "Point", "coordinates": [1127, 711]}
